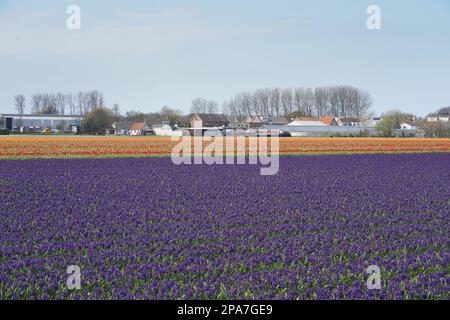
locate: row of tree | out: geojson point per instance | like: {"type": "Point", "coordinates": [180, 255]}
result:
{"type": "Point", "coordinates": [165, 114]}
{"type": "Point", "coordinates": [60, 103]}
{"type": "Point", "coordinates": [337, 101]}
{"type": "Point", "coordinates": [202, 105]}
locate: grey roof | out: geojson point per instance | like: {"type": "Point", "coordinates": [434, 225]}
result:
{"type": "Point", "coordinates": [279, 120]}
{"type": "Point", "coordinates": [124, 125]}
{"type": "Point", "coordinates": [236, 119]}
{"type": "Point", "coordinates": [350, 119]}
{"type": "Point", "coordinates": [207, 117]}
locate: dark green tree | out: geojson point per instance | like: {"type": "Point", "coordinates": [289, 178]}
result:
{"type": "Point", "coordinates": [97, 121]}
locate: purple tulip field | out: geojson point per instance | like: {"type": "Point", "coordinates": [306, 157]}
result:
{"type": "Point", "coordinates": [147, 229]}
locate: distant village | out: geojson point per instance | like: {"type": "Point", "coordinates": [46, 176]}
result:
{"type": "Point", "coordinates": [219, 124]}
{"type": "Point", "coordinates": [337, 111]}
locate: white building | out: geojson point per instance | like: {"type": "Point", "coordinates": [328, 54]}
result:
{"type": "Point", "coordinates": [299, 123]}
{"type": "Point", "coordinates": [163, 130]}
{"type": "Point", "coordinates": [408, 126]}
{"type": "Point", "coordinates": [438, 119]}
{"type": "Point", "coordinates": [348, 122]}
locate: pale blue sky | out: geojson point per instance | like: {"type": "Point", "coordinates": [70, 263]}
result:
{"type": "Point", "coordinates": [144, 54]}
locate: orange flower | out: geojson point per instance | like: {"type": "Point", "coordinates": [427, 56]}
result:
{"type": "Point", "coordinates": [79, 146]}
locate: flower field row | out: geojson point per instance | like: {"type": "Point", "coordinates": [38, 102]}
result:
{"type": "Point", "coordinates": [106, 147]}
{"type": "Point", "coordinates": [226, 232]}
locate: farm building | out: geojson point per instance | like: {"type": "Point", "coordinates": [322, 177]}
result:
{"type": "Point", "coordinates": [373, 122]}
{"type": "Point", "coordinates": [141, 129]}
{"type": "Point", "coordinates": [122, 128]}
{"type": "Point", "coordinates": [329, 131]}
{"type": "Point", "coordinates": [263, 122]}
{"type": "Point", "coordinates": [236, 122]}
{"type": "Point", "coordinates": [39, 122]}
{"type": "Point", "coordinates": [166, 130]}
{"type": "Point", "coordinates": [408, 126]}
{"type": "Point", "coordinates": [308, 123]}
{"type": "Point", "coordinates": [442, 115]}
{"type": "Point", "coordinates": [328, 121]}
{"type": "Point", "coordinates": [204, 120]}
{"type": "Point", "coordinates": [306, 127]}
{"type": "Point", "coordinates": [438, 119]}
{"type": "Point", "coordinates": [349, 122]}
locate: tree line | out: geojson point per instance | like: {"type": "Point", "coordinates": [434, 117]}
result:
{"type": "Point", "coordinates": [60, 103]}
{"type": "Point", "coordinates": [336, 101]}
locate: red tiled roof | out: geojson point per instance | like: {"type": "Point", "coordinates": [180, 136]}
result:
{"type": "Point", "coordinates": [138, 126]}
{"type": "Point", "coordinates": [327, 120]}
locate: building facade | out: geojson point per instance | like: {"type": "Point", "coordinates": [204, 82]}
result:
{"type": "Point", "coordinates": [203, 120]}
{"type": "Point", "coordinates": [39, 122]}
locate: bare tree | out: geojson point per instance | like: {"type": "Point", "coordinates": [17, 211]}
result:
{"type": "Point", "coordinates": [93, 98]}
{"type": "Point", "coordinates": [81, 103]}
{"type": "Point", "coordinates": [199, 105]}
{"type": "Point", "coordinates": [101, 100]}
{"type": "Point", "coordinates": [116, 112]}
{"type": "Point", "coordinates": [19, 103]}
{"type": "Point", "coordinates": [52, 107]}
{"type": "Point", "coordinates": [336, 101]}
{"type": "Point", "coordinates": [261, 102]}
{"type": "Point", "coordinates": [202, 105]}
{"type": "Point", "coordinates": [274, 102]}
{"type": "Point", "coordinates": [363, 104]}
{"type": "Point", "coordinates": [71, 103]}
{"type": "Point", "coordinates": [60, 100]}
{"type": "Point", "coordinates": [36, 102]}
{"type": "Point", "coordinates": [286, 101]}
{"type": "Point", "coordinates": [227, 109]}
{"type": "Point", "coordinates": [212, 107]}
{"type": "Point", "coordinates": [321, 101]}
{"type": "Point", "coordinates": [244, 103]}
{"type": "Point", "coordinates": [309, 102]}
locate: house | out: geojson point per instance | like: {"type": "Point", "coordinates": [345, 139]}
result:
{"type": "Point", "coordinates": [348, 122]}
{"type": "Point", "coordinates": [409, 129]}
{"type": "Point", "coordinates": [162, 129]}
{"type": "Point", "coordinates": [408, 126]}
{"type": "Point", "coordinates": [306, 123]}
{"type": "Point", "coordinates": [204, 120]}
{"type": "Point", "coordinates": [282, 121]}
{"type": "Point", "coordinates": [141, 129]}
{"type": "Point", "coordinates": [121, 128]}
{"type": "Point", "coordinates": [256, 121]}
{"type": "Point", "coordinates": [327, 120]}
{"type": "Point", "coordinates": [442, 115]}
{"type": "Point", "coordinates": [373, 122]}
{"type": "Point", "coordinates": [437, 118]}
{"type": "Point", "coordinates": [184, 121]}
{"type": "Point", "coordinates": [236, 122]}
